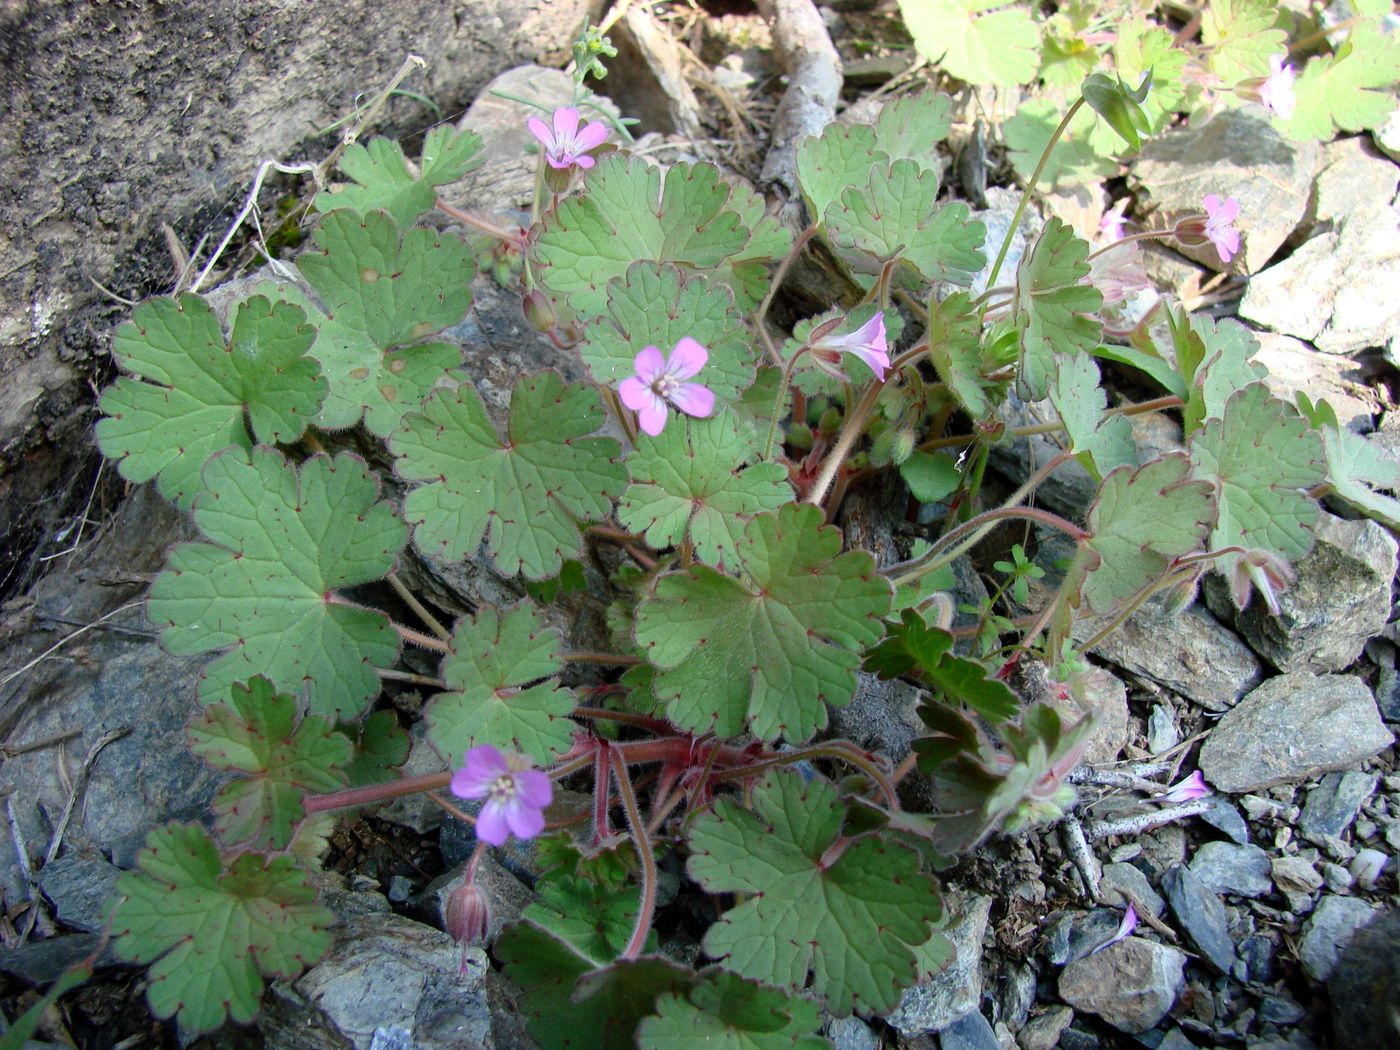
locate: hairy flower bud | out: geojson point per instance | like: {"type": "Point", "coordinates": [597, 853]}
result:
{"type": "Point", "coordinates": [468, 917]}
{"type": "Point", "coordinates": [539, 311]}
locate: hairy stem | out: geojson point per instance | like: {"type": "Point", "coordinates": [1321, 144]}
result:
{"type": "Point", "coordinates": [798, 243]}
{"type": "Point", "coordinates": [640, 839]}
{"type": "Point", "coordinates": [850, 434]}
{"type": "Point", "coordinates": [420, 610]}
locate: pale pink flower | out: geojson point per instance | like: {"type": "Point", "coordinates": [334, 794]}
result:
{"type": "Point", "coordinates": [1193, 787]}
{"type": "Point", "coordinates": [468, 917]}
{"type": "Point", "coordinates": [1125, 928]}
{"type": "Point", "coordinates": [1262, 571]}
{"type": "Point", "coordinates": [1111, 225]}
{"type": "Point", "coordinates": [515, 794]}
{"type": "Point", "coordinates": [867, 343]}
{"type": "Point", "coordinates": [660, 383]}
{"type": "Point", "coordinates": [565, 145]}
{"type": "Point", "coordinates": [1277, 91]}
{"type": "Point", "coordinates": [1219, 228]}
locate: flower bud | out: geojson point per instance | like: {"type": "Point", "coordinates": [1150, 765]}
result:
{"type": "Point", "coordinates": [558, 180]}
{"type": "Point", "coordinates": [799, 436]}
{"type": "Point", "coordinates": [468, 917]}
{"type": "Point", "coordinates": [539, 311]}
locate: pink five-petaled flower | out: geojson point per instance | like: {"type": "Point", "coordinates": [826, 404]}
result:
{"type": "Point", "coordinates": [867, 343]}
{"type": "Point", "coordinates": [515, 794]}
{"type": "Point", "coordinates": [1220, 229]}
{"type": "Point", "coordinates": [660, 382]}
{"type": "Point", "coordinates": [1193, 787]}
{"type": "Point", "coordinates": [565, 146]}
{"type": "Point", "coordinates": [1277, 91]}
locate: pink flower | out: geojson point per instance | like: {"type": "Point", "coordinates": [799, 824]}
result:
{"type": "Point", "coordinates": [867, 343]}
{"type": "Point", "coordinates": [1125, 928]}
{"type": "Point", "coordinates": [1277, 91]}
{"type": "Point", "coordinates": [515, 794]}
{"type": "Point", "coordinates": [565, 146]}
{"type": "Point", "coordinates": [1263, 571]}
{"type": "Point", "coordinates": [1111, 225]}
{"type": "Point", "coordinates": [659, 383]}
{"type": "Point", "coordinates": [1193, 787]}
{"type": "Point", "coordinates": [1220, 229]}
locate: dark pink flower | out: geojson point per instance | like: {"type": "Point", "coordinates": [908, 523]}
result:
{"type": "Point", "coordinates": [1125, 928]}
{"type": "Point", "coordinates": [1219, 228]}
{"type": "Point", "coordinates": [565, 145]}
{"type": "Point", "coordinates": [867, 343]}
{"type": "Point", "coordinates": [1187, 790]}
{"type": "Point", "coordinates": [468, 917]}
{"type": "Point", "coordinates": [515, 794]}
{"type": "Point", "coordinates": [661, 382]}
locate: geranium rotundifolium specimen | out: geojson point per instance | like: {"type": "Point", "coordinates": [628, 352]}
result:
{"type": "Point", "coordinates": [594, 917]}
{"type": "Point", "coordinates": [525, 496]}
{"type": "Point", "coordinates": [382, 179]}
{"type": "Point", "coordinates": [658, 305]}
{"type": "Point", "coordinates": [1351, 89]}
{"type": "Point", "coordinates": [1215, 359]}
{"type": "Point", "coordinates": [383, 291]}
{"type": "Point", "coordinates": [912, 647]}
{"type": "Point", "coordinates": [282, 758]}
{"type": "Point", "coordinates": [380, 748]}
{"type": "Point", "coordinates": [212, 929]}
{"type": "Point", "coordinates": [726, 1012]}
{"type": "Point", "coordinates": [1100, 442]}
{"type": "Point", "coordinates": [864, 901]}
{"type": "Point", "coordinates": [262, 591]}
{"type": "Point", "coordinates": [193, 391]}
{"type": "Point", "coordinates": [1053, 305]}
{"type": "Point", "coordinates": [980, 41]}
{"type": "Point", "coordinates": [694, 481]}
{"type": "Point", "coordinates": [1240, 35]}
{"type": "Point", "coordinates": [628, 214]}
{"type": "Point", "coordinates": [492, 660]}
{"type": "Point", "coordinates": [1356, 468]}
{"type": "Point", "coordinates": [771, 648]}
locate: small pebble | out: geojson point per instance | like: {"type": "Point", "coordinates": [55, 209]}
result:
{"type": "Point", "coordinates": [1367, 866]}
{"type": "Point", "coordinates": [1125, 852]}
{"type": "Point", "coordinates": [1338, 879]}
{"type": "Point", "coordinates": [400, 889]}
{"type": "Point", "coordinates": [1365, 829]}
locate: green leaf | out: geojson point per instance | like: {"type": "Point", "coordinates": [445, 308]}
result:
{"type": "Point", "coordinates": [381, 747]}
{"type": "Point", "coordinates": [725, 1012]}
{"type": "Point", "coordinates": [258, 733]}
{"type": "Point", "coordinates": [384, 181]}
{"type": "Point", "coordinates": [691, 480]}
{"type": "Point", "coordinates": [1348, 89]}
{"type": "Point", "coordinates": [1215, 360]}
{"type": "Point", "coordinates": [955, 347]}
{"type": "Point", "coordinates": [931, 477]}
{"type": "Point", "coordinates": [382, 294]}
{"type": "Point", "coordinates": [526, 495]}
{"type": "Point", "coordinates": [1051, 304]}
{"type": "Point", "coordinates": [494, 657]}
{"type": "Point", "coordinates": [1240, 36]}
{"type": "Point", "coordinates": [568, 1002]}
{"type": "Point", "coordinates": [1355, 466]}
{"type": "Point", "coordinates": [1098, 441]}
{"type": "Point", "coordinates": [862, 909]}
{"type": "Point", "coordinates": [594, 919]}
{"type": "Point", "coordinates": [1001, 48]}
{"type": "Point", "coordinates": [655, 305]}
{"type": "Point", "coordinates": [1140, 521]}
{"type": "Point", "coordinates": [897, 214]}
{"type": "Point", "coordinates": [1144, 47]}
{"type": "Point", "coordinates": [199, 388]}
{"type": "Point", "coordinates": [696, 220]}
{"type": "Point", "coordinates": [1074, 158]}
{"type": "Point", "coordinates": [772, 648]}
{"type": "Point", "coordinates": [1149, 364]}
{"type": "Point", "coordinates": [214, 933]}
{"type": "Point", "coordinates": [1120, 106]}
{"type": "Point", "coordinates": [1260, 454]}
{"type": "Point", "coordinates": [262, 592]}
{"type": "Point", "coordinates": [914, 647]}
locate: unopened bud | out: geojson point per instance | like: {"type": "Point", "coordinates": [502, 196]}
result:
{"type": "Point", "coordinates": [558, 180]}
{"type": "Point", "coordinates": [468, 917]}
{"type": "Point", "coordinates": [539, 311]}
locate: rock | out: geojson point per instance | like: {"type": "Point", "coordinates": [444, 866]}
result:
{"type": "Point", "coordinates": [648, 76]}
{"type": "Point", "coordinates": [1235, 153]}
{"type": "Point", "coordinates": [40, 963]}
{"type": "Point", "coordinates": [938, 1002]}
{"type": "Point", "coordinates": [1293, 727]}
{"type": "Point", "coordinates": [1042, 1032]}
{"type": "Point", "coordinates": [971, 1032]}
{"type": "Point", "coordinates": [1365, 986]}
{"type": "Point", "coordinates": [1294, 367]}
{"type": "Point", "coordinates": [1201, 916]}
{"type": "Point", "coordinates": [1175, 1040]}
{"type": "Point", "coordinates": [1131, 984]}
{"type": "Point", "coordinates": [1163, 848]}
{"type": "Point", "coordinates": [1105, 697]}
{"type": "Point", "coordinates": [1387, 136]}
{"type": "Point", "coordinates": [1072, 935]}
{"type": "Point", "coordinates": [1296, 879]}
{"type": "Point", "coordinates": [1225, 867]}
{"type": "Point", "coordinates": [1340, 600]}
{"type": "Point", "coordinates": [1336, 877]}
{"type": "Point", "coordinates": [1334, 804]}
{"type": "Point", "coordinates": [384, 973]}
{"type": "Point", "coordinates": [1329, 930]}
{"type": "Point", "coordinates": [1119, 877]}
{"type": "Point", "coordinates": [78, 886]}
{"type": "Point", "coordinates": [1225, 818]}
{"type": "Point", "coordinates": [1162, 734]}
{"type": "Point", "coordinates": [1256, 952]}
{"type": "Point", "coordinates": [416, 812]}
{"type": "Point", "coordinates": [1078, 1039]}
{"type": "Point", "coordinates": [851, 1033]}
{"type": "Point", "coordinates": [1367, 866]}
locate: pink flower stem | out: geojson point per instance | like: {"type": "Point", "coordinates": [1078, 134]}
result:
{"type": "Point", "coordinates": [364, 796]}
{"type": "Point", "coordinates": [656, 725]}
{"type": "Point", "coordinates": [456, 811]}
{"type": "Point", "coordinates": [1146, 235]}
{"type": "Point", "coordinates": [408, 634]}
{"type": "Point", "coordinates": [408, 676]}
{"type": "Point", "coordinates": [798, 243]}
{"type": "Point", "coordinates": [850, 433]}
{"type": "Point", "coordinates": [839, 750]}
{"type": "Point", "coordinates": [601, 830]}
{"type": "Point", "coordinates": [778, 403]}
{"type": "Point", "coordinates": [958, 440]}
{"type": "Point", "coordinates": [644, 852]}
{"type": "Point", "coordinates": [481, 225]}
{"type": "Point", "coordinates": [967, 535]}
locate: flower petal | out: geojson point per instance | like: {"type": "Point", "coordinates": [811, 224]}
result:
{"type": "Point", "coordinates": [635, 394]}
{"type": "Point", "coordinates": [687, 359]}
{"type": "Point", "coordinates": [1212, 204]}
{"type": "Point", "coordinates": [584, 161]}
{"type": "Point", "coordinates": [525, 820]}
{"type": "Point", "coordinates": [591, 137]}
{"type": "Point", "coordinates": [878, 360]}
{"type": "Point", "coordinates": [1229, 211]}
{"type": "Point", "coordinates": [565, 124]}
{"type": "Point", "coordinates": [652, 417]}
{"type": "Point", "coordinates": [650, 365]}
{"type": "Point", "coordinates": [491, 824]}
{"type": "Point", "coordinates": [694, 400]}
{"type": "Point", "coordinates": [1126, 927]}
{"type": "Point", "coordinates": [541, 131]}
{"type": "Point", "coordinates": [534, 787]}
{"type": "Point", "coordinates": [485, 763]}
{"type": "Point", "coordinates": [465, 785]}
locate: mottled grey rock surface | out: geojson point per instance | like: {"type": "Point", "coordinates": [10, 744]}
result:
{"type": "Point", "coordinates": [937, 1003]}
{"type": "Point", "coordinates": [1329, 930]}
{"type": "Point", "coordinates": [1131, 984]}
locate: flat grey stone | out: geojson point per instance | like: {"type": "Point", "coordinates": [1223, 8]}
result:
{"type": "Point", "coordinates": [1201, 916]}
{"type": "Point", "coordinates": [1329, 930]}
{"type": "Point", "coordinates": [1333, 804]}
{"type": "Point", "coordinates": [1365, 986]}
{"type": "Point", "coordinates": [938, 1002]}
{"type": "Point", "coordinates": [851, 1033]}
{"type": "Point", "coordinates": [971, 1032]}
{"type": "Point", "coordinates": [1042, 1032]}
{"type": "Point", "coordinates": [1293, 727]}
{"type": "Point", "coordinates": [1225, 867]}
{"type": "Point", "coordinates": [79, 886]}
{"type": "Point", "coordinates": [1295, 367]}
{"type": "Point", "coordinates": [1297, 880]}
{"type": "Point", "coordinates": [1119, 877]}
{"type": "Point", "coordinates": [1225, 818]}
{"type": "Point", "coordinates": [1072, 935]}
{"type": "Point", "coordinates": [1236, 153]}
{"type": "Point", "coordinates": [1131, 984]}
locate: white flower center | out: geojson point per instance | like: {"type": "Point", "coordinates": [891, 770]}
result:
{"type": "Point", "coordinates": [502, 789]}
{"type": "Point", "coordinates": [666, 386]}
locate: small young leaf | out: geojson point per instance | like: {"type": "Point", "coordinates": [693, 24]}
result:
{"type": "Point", "coordinates": [1355, 466]}
{"type": "Point", "coordinates": [1347, 89]}
{"type": "Point", "coordinates": [955, 348]}
{"type": "Point", "coordinates": [211, 932]}
{"type": "Point", "coordinates": [864, 902]}
{"type": "Point", "coordinates": [383, 180]}
{"type": "Point", "coordinates": [258, 733]}
{"type": "Point", "coordinates": [914, 647]}
{"type": "Point", "coordinates": [525, 496]}
{"type": "Point", "coordinates": [1098, 441]}
{"type": "Point", "coordinates": [593, 919]}
{"type": "Point", "coordinates": [1240, 36]}
{"type": "Point", "coordinates": [691, 479]}
{"type": "Point", "coordinates": [1215, 359]}
{"type": "Point", "coordinates": [199, 388]}
{"type": "Point", "coordinates": [772, 648]}
{"type": "Point", "coordinates": [494, 656]}
{"type": "Point", "coordinates": [382, 292]}
{"type": "Point", "coordinates": [283, 541]}
{"type": "Point", "coordinates": [1145, 47]}
{"type": "Point", "coordinates": [931, 477]}
{"type": "Point", "coordinates": [1051, 304]}
{"type": "Point", "coordinates": [381, 747]}
{"type": "Point", "coordinates": [1001, 48]}
{"type": "Point", "coordinates": [725, 1012]}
